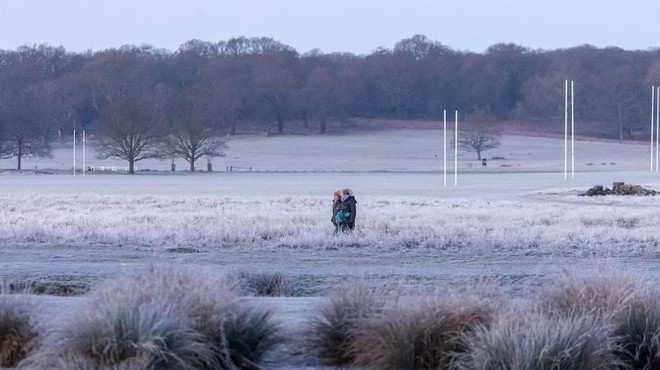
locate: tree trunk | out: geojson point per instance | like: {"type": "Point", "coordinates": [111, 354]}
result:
{"type": "Point", "coordinates": [19, 154]}
{"type": "Point", "coordinates": [192, 165]}
{"type": "Point", "coordinates": [478, 155]}
{"type": "Point", "coordinates": [233, 127]}
{"type": "Point", "coordinates": [322, 125]}
{"type": "Point", "coordinates": [131, 166]}
{"type": "Point", "coordinates": [280, 122]}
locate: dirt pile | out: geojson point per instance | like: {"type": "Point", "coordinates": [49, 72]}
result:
{"type": "Point", "coordinates": [618, 188]}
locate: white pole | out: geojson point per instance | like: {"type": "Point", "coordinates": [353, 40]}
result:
{"type": "Point", "coordinates": [572, 132]}
{"type": "Point", "coordinates": [652, 117]}
{"type": "Point", "coordinates": [444, 144]}
{"type": "Point", "coordinates": [657, 128]}
{"type": "Point", "coordinates": [455, 148]}
{"type": "Point", "coordinates": [565, 128]}
{"type": "Point", "coordinates": [83, 147]}
{"type": "Point", "coordinates": [74, 152]}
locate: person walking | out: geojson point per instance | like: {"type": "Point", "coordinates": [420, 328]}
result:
{"type": "Point", "coordinates": [346, 212]}
{"type": "Point", "coordinates": [336, 201]}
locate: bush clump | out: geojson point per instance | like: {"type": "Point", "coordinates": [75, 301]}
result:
{"type": "Point", "coordinates": [536, 341]}
{"type": "Point", "coordinates": [424, 334]}
{"type": "Point", "coordinates": [163, 319]}
{"type": "Point", "coordinates": [16, 329]}
{"type": "Point", "coordinates": [333, 330]}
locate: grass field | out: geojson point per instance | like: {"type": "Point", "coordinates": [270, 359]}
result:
{"type": "Point", "coordinates": [517, 220]}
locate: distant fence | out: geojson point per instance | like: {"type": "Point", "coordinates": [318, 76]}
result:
{"type": "Point", "coordinates": [109, 169]}
{"type": "Point", "coordinates": [239, 168]}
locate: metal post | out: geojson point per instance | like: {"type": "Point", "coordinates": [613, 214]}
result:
{"type": "Point", "coordinates": [74, 152]}
{"type": "Point", "coordinates": [657, 128]}
{"type": "Point", "coordinates": [444, 145]}
{"type": "Point", "coordinates": [652, 117]}
{"type": "Point", "coordinates": [565, 128]}
{"type": "Point", "coordinates": [572, 132]}
{"type": "Point", "coordinates": [455, 148]}
{"type": "Point", "coordinates": [83, 148]}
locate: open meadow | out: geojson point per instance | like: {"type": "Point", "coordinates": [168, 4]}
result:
{"type": "Point", "coordinates": [515, 222]}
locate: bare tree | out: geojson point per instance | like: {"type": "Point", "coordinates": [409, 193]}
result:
{"type": "Point", "coordinates": [196, 130]}
{"type": "Point", "coordinates": [129, 129]}
{"type": "Point", "coordinates": [22, 134]}
{"type": "Point", "coordinates": [478, 138]}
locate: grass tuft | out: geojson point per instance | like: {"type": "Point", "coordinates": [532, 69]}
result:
{"type": "Point", "coordinates": [422, 335]}
{"type": "Point", "coordinates": [16, 330]}
{"type": "Point", "coordinates": [332, 332]}
{"type": "Point", "coordinates": [163, 319]}
{"type": "Point", "coordinates": [536, 341]}
{"type": "Point", "coordinates": [637, 327]}
{"type": "Point", "coordinates": [599, 293]}
{"type": "Point", "coordinates": [266, 284]}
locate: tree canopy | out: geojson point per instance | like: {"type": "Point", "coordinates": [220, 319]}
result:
{"type": "Point", "coordinates": [260, 82]}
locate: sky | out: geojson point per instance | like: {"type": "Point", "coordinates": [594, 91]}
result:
{"type": "Point", "coordinates": [354, 26]}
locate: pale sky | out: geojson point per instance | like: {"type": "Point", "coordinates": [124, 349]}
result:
{"type": "Point", "coordinates": [355, 26]}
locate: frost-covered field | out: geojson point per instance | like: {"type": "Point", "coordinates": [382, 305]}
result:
{"type": "Point", "coordinates": [517, 211]}
{"type": "Point", "coordinates": [516, 220]}
{"type": "Point", "coordinates": [401, 150]}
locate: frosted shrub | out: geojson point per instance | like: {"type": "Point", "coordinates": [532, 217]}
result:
{"type": "Point", "coordinates": [591, 292]}
{"type": "Point", "coordinates": [164, 319]}
{"type": "Point", "coordinates": [627, 302]}
{"type": "Point", "coordinates": [266, 284]}
{"type": "Point", "coordinates": [637, 327]}
{"type": "Point", "coordinates": [423, 334]}
{"type": "Point", "coordinates": [334, 327]}
{"type": "Point", "coordinates": [536, 341]}
{"type": "Point", "coordinates": [15, 328]}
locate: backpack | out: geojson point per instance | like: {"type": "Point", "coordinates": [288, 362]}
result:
{"type": "Point", "coordinates": [342, 216]}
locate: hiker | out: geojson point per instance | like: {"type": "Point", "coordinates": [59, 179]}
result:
{"type": "Point", "coordinates": [346, 211]}
{"type": "Point", "coordinates": [336, 201]}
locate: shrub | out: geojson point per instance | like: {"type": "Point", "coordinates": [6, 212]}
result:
{"type": "Point", "coordinates": [164, 319]}
{"type": "Point", "coordinates": [536, 341]}
{"type": "Point", "coordinates": [251, 333]}
{"type": "Point", "coordinates": [266, 284]}
{"type": "Point", "coordinates": [599, 293]}
{"type": "Point", "coordinates": [15, 329]}
{"type": "Point", "coordinates": [332, 330]}
{"type": "Point", "coordinates": [424, 335]}
{"type": "Point", "coordinates": [637, 328]}
{"type": "Point", "coordinates": [629, 303]}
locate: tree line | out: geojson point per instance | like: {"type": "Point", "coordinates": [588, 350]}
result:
{"type": "Point", "coordinates": [140, 102]}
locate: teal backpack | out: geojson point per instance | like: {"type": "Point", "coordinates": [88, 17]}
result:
{"type": "Point", "coordinates": [342, 216]}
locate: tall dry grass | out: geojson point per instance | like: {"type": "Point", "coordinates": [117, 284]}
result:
{"type": "Point", "coordinates": [266, 284]}
{"type": "Point", "coordinates": [536, 341]}
{"type": "Point", "coordinates": [16, 329]}
{"type": "Point", "coordinates": [637, 327]}
{"type": "Point", "coordinates": [334, 327]}
{"type": "Point", "coordinates": [591, 292]}
{"type": "Point", "coordinates": [626, 301]}
{"type": "Point", "coordinates": [178, 223]}
{"type": "Point", "coordinates": [422, 333]}
{"type": "Point", "coordinates": [165, 318]}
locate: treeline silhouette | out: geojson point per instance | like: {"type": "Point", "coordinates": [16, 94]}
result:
{"type": "Point", "coordinates": [218, 87]}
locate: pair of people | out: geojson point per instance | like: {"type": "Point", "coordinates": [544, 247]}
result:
{"type": "Point", "coordinates": [344, 208]}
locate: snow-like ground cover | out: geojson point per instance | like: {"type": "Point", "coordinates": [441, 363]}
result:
{"type": "Point", "coordinates": [409, 224]}
{"type": "Point", "coordinates": [516, 219]}
{"type": "Point", "coordinates": [401, 150]}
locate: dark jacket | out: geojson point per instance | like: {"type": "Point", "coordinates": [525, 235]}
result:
{"type": "Point", "coordinates": [335, 209]}
{"type": "Point", "coordinates": [349, 205]}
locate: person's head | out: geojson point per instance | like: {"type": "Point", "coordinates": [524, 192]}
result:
{"type": "Point", "coordinates": [345, 193]}
{"type": "Point", "coordinates": [336, 195]}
